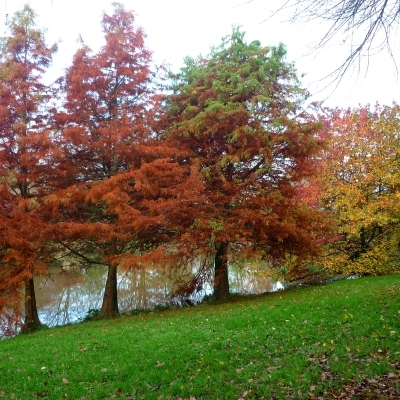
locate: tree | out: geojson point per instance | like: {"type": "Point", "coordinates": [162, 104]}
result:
{"type": "Point", "coordinates": [360, 183]}
{"type": "Point", "coordinates": [238, 114]}
{"type": "Point", "coordinates": [374, 20]}
{"type": "Point", "coordinates": [25, 147]}
{"type": "Point", "coordinates": [104, 123]}
{"type": "Point", "coordinates": [124, 184]}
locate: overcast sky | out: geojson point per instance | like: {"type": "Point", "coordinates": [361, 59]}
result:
{"type": "Point", "coordinates": [178, 28]}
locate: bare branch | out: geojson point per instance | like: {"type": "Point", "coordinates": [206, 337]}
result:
{"type": "Point", "coordinates": [368, 18]}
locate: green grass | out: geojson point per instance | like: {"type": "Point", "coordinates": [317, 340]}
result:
{"type": "Point", "coordinates": [295, 344]}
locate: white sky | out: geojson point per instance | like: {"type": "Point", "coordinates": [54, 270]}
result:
{"type": "Point", "coordinates": [178, 28]}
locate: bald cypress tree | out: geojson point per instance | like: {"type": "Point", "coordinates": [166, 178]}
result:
{"type": "Point", "coordinates": [238, 113]}
{"type": "Point", "coordinates": [25, 148]}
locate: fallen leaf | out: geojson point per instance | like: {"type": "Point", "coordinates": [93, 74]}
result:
{"type": "Point", "coordinates": [244, 394]}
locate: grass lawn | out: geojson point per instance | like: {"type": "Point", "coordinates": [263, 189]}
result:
{"type": "Point", "coordinates": [305, 343]}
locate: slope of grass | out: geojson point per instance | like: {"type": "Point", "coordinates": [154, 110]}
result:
{"type": "Point", "coordinates": [299, 344]}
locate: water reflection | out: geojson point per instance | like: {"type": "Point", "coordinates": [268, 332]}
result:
{"type": "Point", "coordinates": [67, 296]}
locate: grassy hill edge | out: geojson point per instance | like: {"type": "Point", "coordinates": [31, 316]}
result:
{"type": "Point", "coordinates": [302, 343]}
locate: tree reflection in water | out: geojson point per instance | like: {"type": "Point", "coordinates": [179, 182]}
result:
{"type": "Point", "coordinates": [67, 296]}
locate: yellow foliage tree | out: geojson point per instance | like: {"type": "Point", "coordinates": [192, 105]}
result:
{"type": "Point", "coordinates": [360, 184]}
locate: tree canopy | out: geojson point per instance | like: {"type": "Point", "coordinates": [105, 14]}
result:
{"type": "Point", "coordinates": [224, 163]}
{"type": "Point", "coordinates": [26, 173]}
{"type": "Point", "coordinates": [124, 186]}
{"type": "Point", "coordinates": [359, 180]}
{"type": "Point", "coordinates": [238, 113]}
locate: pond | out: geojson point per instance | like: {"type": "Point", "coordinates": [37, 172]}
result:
{"type": "Point", "coordinates": [66, 296]}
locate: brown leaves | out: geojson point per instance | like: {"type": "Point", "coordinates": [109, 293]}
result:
{"type": "Point", "coordinates": [244, 394]}
{"type": "Point", "coordinates": [384, 387]}
{"type": "Point", "coordinates": [322, 361]}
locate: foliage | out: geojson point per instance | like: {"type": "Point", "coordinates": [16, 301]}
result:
{"type": "Point", "coordinates": [229, 166]}
{"type": "Point", "coordinates": [108, 102]}
{"type": "Point", "coordinates": [238, 113]}
{"type": "Point", "coordinates": [300, 344]}
{"type": "Point", "coordinates": [91, 314]}
{"type": "Point", "coordinates": [124, 190]}
{"type": "Point", "coordinates": [10, 323]}
{"type": "Point", "coordinates": [360, 185]}
{"type": "Point", "coordinates": [26, 172]}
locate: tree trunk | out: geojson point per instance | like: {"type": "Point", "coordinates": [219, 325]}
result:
{"type": "Point", "coordinates": [109, 307]}
{"type": "Point", "coordinates": [221, 281]}
{"type": "Point", "coordinates": [363, 240]}
{"type": "Point", "coordinates": [31, 314]}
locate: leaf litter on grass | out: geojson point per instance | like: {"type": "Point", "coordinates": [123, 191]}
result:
{"type": "Point", "coordinates": [332, 342]}
{"type": "Point", "coordinates": [385, 387]}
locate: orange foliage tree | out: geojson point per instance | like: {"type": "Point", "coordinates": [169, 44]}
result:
{"type": "Point", "coordinates": [124, 185]}
{"type": "Point", "coordinates": [359, 184]}
{"type": "Point", "coordinates": [239, 114]}
{"type": "Point", "coordinates": [25, 168]}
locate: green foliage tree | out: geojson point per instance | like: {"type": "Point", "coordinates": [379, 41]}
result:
{"type": "Point", "coordinates": [238, 114]}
